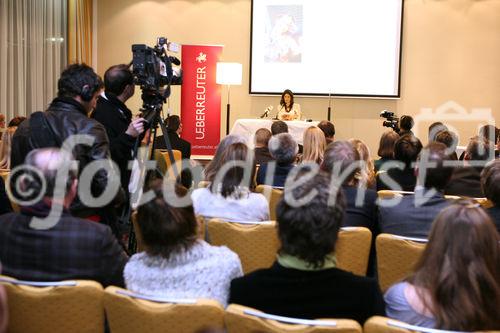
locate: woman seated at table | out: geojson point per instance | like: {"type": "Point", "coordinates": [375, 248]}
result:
{"type": "Point", "coordinates": [288, 110]}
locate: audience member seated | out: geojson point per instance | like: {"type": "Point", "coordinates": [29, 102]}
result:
{"type": "Point", "coordinates": [342, 159]}
{"type": "Point", "coordinates": [176, 263]}
{"type": "Point", "coordinates": [490, 183]}
{"type": "Point", "coordinates": [455, 285]}
{"type": "Point", "coordinates": [211, 169]}
{"type": "Point", "coordinates": [304, 282]}
{"type": "Point", "coordinates": [450, 140]}
{"type": "Point", "coordinates": [39, 244]}
{"type": "Point", "coordinates": [5, 206]}
{"type": "Point", "coordinates": [406, 150]}
{"type": "Point", "coordinates": [490, 133]}
{"type": "Point", "coordinates": [6, 141]}
{"type": "Point", "coordinates": [328, 129]}
{"type": "Point", "coordinates": [261, 150]}
{"type": "Point", "coordinates": [174, 129]}
{"type": "Point", "coordinates": [228, 196]}
{"type": "Point", "coordinates": [413, 215]}
{"type": "Point", "coordinates": [435, 128]}
{"type": "Point", "coordinates": [2, 121]}
{"type": "Point", "coordinates": [279, 127]}
{"type": "Point", "coordinates": [406, 124]}
{"type": "Point", "coordinates": [283, 149]}
{"type": "Point", "coordinates": [366, 175]}
{"type": "Point", "coordinates": [466, 180]}
{"type": "Point", "coordinates": [386, 148]}
{"type": "Point", "coordinates": [314, 145]}
{"type": "Point", "coordinates": [4, 312]}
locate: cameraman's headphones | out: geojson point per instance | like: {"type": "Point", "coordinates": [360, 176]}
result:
{"type": "Point", "coordinates": [87, 93]}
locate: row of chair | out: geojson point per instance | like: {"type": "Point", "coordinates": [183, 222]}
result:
{"type": "Point", "coordinates": [257, 243]}
{"type": "Point", "coordinates": [81, 307]}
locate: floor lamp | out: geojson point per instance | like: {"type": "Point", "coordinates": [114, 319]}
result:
{"type": "Point", "coordinates": [228, 73]}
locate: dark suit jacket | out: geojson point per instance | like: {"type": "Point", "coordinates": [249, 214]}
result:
{"type": "Point", "coordinates": [363, 216]}
{"type": "Point", "coordinates": [116, 117]}
{"type": "Point", "coordinates": [176, 142]}
{"type": "Point", "coordinates": [465, 181]}
{"type": "Point", "coordinates": [329, 293]}
{"type": "Point", "coordinates": [5, 206]}
{"type": "Point", "coordinates": [280, 174]}
{"type": "Point", "coordinates": [495, 216]}
{"type": "Point", "coordinates": [408, 219]}
{"type": "Point", "coordinates": [72, 249]}
{"type": "Point", "coordinates": [405, 178]}
{"type": "Point", "coordinates": [262, 155]}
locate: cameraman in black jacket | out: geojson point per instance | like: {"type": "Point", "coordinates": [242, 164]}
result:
{"type": "Point", "coordinates": [78, 89]}
{"type": "Point", "coordinates": [112, 112]}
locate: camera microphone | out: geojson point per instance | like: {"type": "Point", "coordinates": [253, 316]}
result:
{"type": "Point", "coordinates": [174, 60]}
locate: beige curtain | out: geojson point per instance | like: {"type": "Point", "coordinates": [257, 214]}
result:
{"type": "Point", "coordinates": [80, 31]}
{"type": "Point", "coordinates": [32, 54]}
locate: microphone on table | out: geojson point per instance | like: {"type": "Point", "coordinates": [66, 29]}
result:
{"type": "Point", "coordinates": [266, 112]}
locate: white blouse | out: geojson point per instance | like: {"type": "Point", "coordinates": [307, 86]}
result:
{"type": "Point", "coordinates": [294, 114]}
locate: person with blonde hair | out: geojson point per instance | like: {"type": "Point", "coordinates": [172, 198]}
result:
{"type": "Point", "coordinates": [314, 145]}
{"type": "Point", "coordinates": [456, 283]}
{"type": "Point", "coordinates": [366, 174]}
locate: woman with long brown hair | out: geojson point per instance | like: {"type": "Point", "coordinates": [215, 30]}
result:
{"type": "Point", "coordinates": [456, 283]}
{"type": "Point", "coordinates": [366, 174]}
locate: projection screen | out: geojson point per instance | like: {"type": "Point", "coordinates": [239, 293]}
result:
{"type": "Point", "coordinates": [321, 47]}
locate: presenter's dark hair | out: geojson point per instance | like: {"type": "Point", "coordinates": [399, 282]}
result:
{"type": "Point", "coordinates": [406, 123]}
{"type": "Point", "coordinates": [173, 122]}
{"type": "Point", "coordinates": [166, 229]}
{"type": "Point", "coordinates": [310, 231]}
{"type": "Point", "coordinates": [282, 101]}
{"type": "Point", "coordinates": [75, 78]}
{"type": "Point", "coordinates": [116, 78]}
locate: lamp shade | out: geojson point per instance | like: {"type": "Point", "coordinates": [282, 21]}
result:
{"type": "Point", "coordinates": [229, 73]}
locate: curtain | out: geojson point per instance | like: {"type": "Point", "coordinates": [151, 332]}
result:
{"type": "Point", "coordinates": [32, 54]}
{"type": "Point", "coordinates": [80, 31]}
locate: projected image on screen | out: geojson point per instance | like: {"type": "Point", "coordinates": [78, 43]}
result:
{"type": "Point", "coordinates": [339, 47]}
{"type": "Point", "coordinates": [283, 34]}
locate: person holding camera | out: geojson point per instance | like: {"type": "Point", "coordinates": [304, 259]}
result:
{"type": "Point", "coordinates": [288, 110]}
{"type": "Point", "coordinates": [112, 112]}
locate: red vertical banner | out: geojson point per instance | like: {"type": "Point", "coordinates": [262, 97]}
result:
{"type": "Point", "coordinates": [200, 98]}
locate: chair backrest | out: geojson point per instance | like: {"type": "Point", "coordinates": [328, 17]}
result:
{"type": "Point", "coordinates": [396, 257]}
{"type": "Point", "coordinates": [65, 306]}
{"type": "Point", "coordinates": [484, 202]}
{"type": "Point", "coordinates": [389, 194]}
{"type": "Point", "coordinates": [129, 312]}
{"type": "Point", "coordinates": [255, 243]}
{"type": "Point", "coordinates": [163, 160]}
{"type": "Point", "coordinates": [353, 249]}
{"type": "Point", "coordinates": [379, 324]}
{"type": "Point", "coordinates": [241, 319]}
{"type": "Point", "coordinates": [272, 195]}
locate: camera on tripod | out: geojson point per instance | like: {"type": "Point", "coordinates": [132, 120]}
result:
{"type": "Point", "coordinates": [154, 71]}
{"type": "Point", "coordinates": [391, 120]}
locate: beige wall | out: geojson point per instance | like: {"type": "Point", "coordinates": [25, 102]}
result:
{"type": "Point", "coordinates": [451, 51]}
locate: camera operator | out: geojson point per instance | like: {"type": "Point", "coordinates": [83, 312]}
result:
{"type": "Point", "coordinates": [406, 124]}
{"type": "Point", "coordinates": [112, 112]}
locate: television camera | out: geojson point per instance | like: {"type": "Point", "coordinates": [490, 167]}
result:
{"type": "Point", "coordinates": [390, 121]}
{"type": "Point", "coordinates": [153, 70]}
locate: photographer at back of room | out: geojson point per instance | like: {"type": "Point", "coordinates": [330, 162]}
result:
{"type": "Point", "coordinates": [112, 112]}
{"type": "Point", "coordinates": [406, 124]}
{"type": "Point", "coordinates": [288, 110]}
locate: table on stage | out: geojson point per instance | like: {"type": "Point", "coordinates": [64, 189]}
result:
{"type": "Point", "coordinates": [248, 127]}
